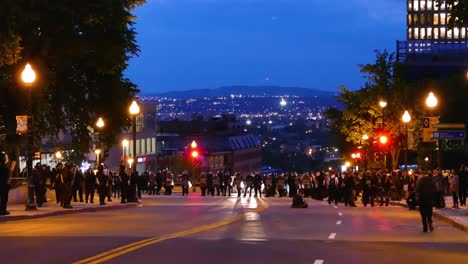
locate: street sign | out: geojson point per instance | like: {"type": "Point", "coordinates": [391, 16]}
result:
{"type": "Point", "coordinates": [428, 128]}
{"type": "Point", "coordinates": [453, 134]}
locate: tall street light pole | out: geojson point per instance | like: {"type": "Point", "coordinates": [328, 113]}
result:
{"type": "Point", "coordinates": [431, 103]}
{"type": "Point", "coordinates": [28, 77]}
{"type": "Point", "coordinates": [406, 118]}
{"type": "Point", "coordinates": [383, 104]}
{"type": "Point", "coordinates": [99, 124]}
{"type": "Point", "coordinates": [134, 111]}
{"type": "Point", "coordinates": [124, 146]}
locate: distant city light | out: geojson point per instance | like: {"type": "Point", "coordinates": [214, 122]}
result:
{"type": "Point", "coordinates": [283, 102]}
{"type": "Point", "coordinates": [248, 122]}
{"type": "Point", "coordinates": [270, 122]}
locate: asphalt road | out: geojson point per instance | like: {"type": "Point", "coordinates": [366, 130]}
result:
{"type": "Point", "coordinates": [230, 230]}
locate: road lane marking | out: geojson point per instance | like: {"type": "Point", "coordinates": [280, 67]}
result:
{"type": "Point", "coordinates": [318, 261]}
{"type": "Point", "coordinates": [338, 222]}
{"type": "Point", "coordinates": [113, 253]}
{"type": "Point", "coordinates": [340, 214]}
{"type": "Point", "coordinates": [332, 236]}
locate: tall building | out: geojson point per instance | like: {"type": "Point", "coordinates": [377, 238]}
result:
{"type": "Point", "coordinates": [431, 48]}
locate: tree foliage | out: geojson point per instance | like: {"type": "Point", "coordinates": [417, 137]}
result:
{"type": "Point", "coordinates": [362, 114]}
{"type": "Point", "coordinates": [79, 51]}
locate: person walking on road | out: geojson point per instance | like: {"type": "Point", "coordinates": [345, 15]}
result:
{"type": "Point", "coordinates": [454, 190]}
{"type": "Point", "coordinates": [425, 191]}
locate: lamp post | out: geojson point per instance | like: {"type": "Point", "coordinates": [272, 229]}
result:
{"type": "Point", "coordinates": [28, 76]}
{"type": "Point", "coordinates": [134, 111]}
{"type": "Point", "coordinates": [406, 118]}
{"type": "Point", "coordinates": [124, 145]}
{"type": "Point", "coordinates": [99, 124]}
{"type": "Point", "coordinates": [383, 104]}
{"type": "Point", "coordinates": [97, 151]}
{"type": "Point", "coordinates": [194, 153]}
{"type": "Point", "coordinates": [58, 156]}
{"type": "Point", "coordinates": [431, 103]}
{"type": "Point", "coordinates": [365, 137]}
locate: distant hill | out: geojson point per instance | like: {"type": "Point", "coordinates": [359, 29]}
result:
{"type": "Point", "coordinates": [246, 90]}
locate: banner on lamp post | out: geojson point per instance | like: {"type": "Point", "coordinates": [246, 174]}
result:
{"type": "Point", "coordinates": [21, 125]}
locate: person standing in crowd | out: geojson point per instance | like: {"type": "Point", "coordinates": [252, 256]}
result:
{"type": "Point", "coordinates": [216, 183]}
{"type": "Point", "coordinates": [116, 185]}
{"type": "Point", "coordinates": [281, 189]}
{"type": "Point", "coordinates": [269, 185]}
{"type": "Point", "coordinates": [386, 186]}
{"type": "Point", "coordinates": [169, 183]}
{"type": "Point", "coordinates": [58, 182]}
{"type": "Point", "coordinates": [425, 191]}
{"type": "Point", "coordinates": [454, 190]}
{"type": "Point", "coordinates": [348, 191]}
{"type": "Point", "coordinates": [4, 183]}
{"type": "Point", "coordinates": [203, 184]}
{"type": "Point", "coordinates": [124, 185]}
{"type": "Point", "coordinates": [320, 177]}
{"type": "Point", "coordinates": [184, 180]}
{"type": "Point", "coordinates": [333, 189]}
{"type": "Point", "coordinates": [227, 185]}
{"type": "Point", "coordinates": [90, 185]}
{"type": "Point", "coordinates": [248, 184]}
{"type": "Point", "coordinates": [238, 183]}
{"type": "Point", "coordinates": [366, 184]}
{"type": "Point", "coordinates": [77, 187]}
{"type": "Point", "coordinates": [439, 194]}
{"type": "Point", "coordinates": [159, 182]}
{"type": "Point", "coordinates": [258, 184]}
{"type": "Point", "coordinates": [39, 184]}
{"type": "Point", "coordinates": [68, 176]}
{"type": "Point", "coordinates": [209, 183]}
{"type": "Point", "coordinates": [306, 184]}
{"type": "Point", "coordinates": [152, 184]}
{"type": "Point", "coordinates": [462, 183]}
{"type": "Point", "coordinates": [102, 181]}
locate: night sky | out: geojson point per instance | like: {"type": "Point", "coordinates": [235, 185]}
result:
{"type": "Point", "coordinates": [191, 44]}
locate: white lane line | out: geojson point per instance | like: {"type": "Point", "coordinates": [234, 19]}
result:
{"type": "Point", "coordinates": [318, 261]}
{"type": "Point", "coordinates": [335, 207]}
{"type": "Point", "coordinates": [338, 222]}
{"type": "Point", "coordinates": [332, 236]}
{"type": "Point", "coordinates": [340, 214]}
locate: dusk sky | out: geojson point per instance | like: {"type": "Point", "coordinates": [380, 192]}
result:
{"type": "Point", "coordinates": [191, 44]}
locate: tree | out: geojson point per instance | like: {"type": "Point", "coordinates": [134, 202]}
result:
{"type": "Point", "coordinates": [458, 11]}
{"type": "Point", "coordinates": [80, 52]}
{"type": "Point", "coordinates": [362, 114]}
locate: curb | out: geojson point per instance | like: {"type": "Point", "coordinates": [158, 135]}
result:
{"type": "Point", "coordinates": [69, 211]}
{"type": "Point", "coordinates": [442, 217]}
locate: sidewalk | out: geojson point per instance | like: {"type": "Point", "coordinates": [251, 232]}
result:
{"type": "Point", "coordinates": [456, 217]}
{"type": "Point", "coordinates": [18, 211]}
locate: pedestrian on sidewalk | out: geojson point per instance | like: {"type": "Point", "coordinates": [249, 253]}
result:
{"type": "Point", "coordinates": [102, 181]}
{"type": "Point", "coordinates": [454, 190]}
{"type": "Point", "coordinates": [4, 183]}
{"type": "Point", "coordinates": [90, 186]}
{"type": "Point", "coordinates": [425, 191]}
{"type": "Point", "coordinates": [462, 184]}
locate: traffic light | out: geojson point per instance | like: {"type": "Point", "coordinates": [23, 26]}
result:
{"type": "Point", "coordinates": [194, 150]}
{"type": "Point", "coordinates": [383, 140]}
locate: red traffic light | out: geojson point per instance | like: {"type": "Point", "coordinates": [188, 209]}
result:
{"type": "Point", "coordinates": [194, 154]}
{"type": "Point", "coordinates": [383, 140]}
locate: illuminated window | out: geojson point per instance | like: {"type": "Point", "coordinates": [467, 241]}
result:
{"type": "Point", "coordinates": [410, 33]}
{"type": "Point", "coordinates": [463, 33]}
{"type": "Point", "coordinates": [416, 19]}
{"type": "Point", "coordinates": [143, 147]}
{"type": "Point", "coordinates": [442, 33]}
{"type": "Point", "coordinates": [153, 145]}
{"type": "Point", "coordinates": [443, 16]}
{"type": "Point", "coordinates": [448, 18]}
{"type": "Point", "coordinates": [456, 33]}
{"type": "Point", "coordinates": [416, 5]}
{"type": "Point", "coordinates": [416, 33]}
{"type": "Point", "coordinates": [436, 19]}
{"type": "Point", "coordinates": [137, 147]}
{"type": "Point", "coordinates": [148, 146]}
{"type": "Point", "coordinates": [436, 7]}
{"type": "Point", "coordinates": [423, 5]}
{"type": "Point", "coordinates": [422, 34]}
{"type": "Point", "coordinates": [410, 20]}
{"type": "Point", "coordinates": [429, 4]}
{"type": "Point", "coordinates": [449, 34]}
{"type": "Point", "coordinates": [410, 5]}
{"type": "Point", "coordinates": [423, 19]}
{"type": "Point", "coordinates": [442, 6]}
{"type": "Point", "coordinates": [436, 33]}
{"type": "Point", "coordinates": [429, 33]}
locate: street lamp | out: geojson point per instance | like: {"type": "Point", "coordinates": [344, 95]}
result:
{"type": "Point", "coordinates": [97, 151]}
{"type": "Point", "coordinates": [383, 104]}
{"type": "Point", "coordinates": [124, 145]}
{"type": "Point", "coordinates": [365, 137]}
{"type": "Point", "coordinates": [431, 103]}
{"type": "Point", "coordinates": [406, 118]}
{"type": "Point", "coordinates": [134, 111]}
{"type": "Point", "coordinates": [100, 123]}
{"type": "Point", "coordinates": [58, 156]}
{"type": "Point", "coordinates": [130, 162]}
{"type": "Point", "coordinates": [194, 153]}
{"type": "Point", "coordinates": [28, 76]}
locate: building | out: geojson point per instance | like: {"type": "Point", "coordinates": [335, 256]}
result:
{"type": "Point", "coordinates": [223, 143]}
{"type": "Point", "coordinates": [431, 48]}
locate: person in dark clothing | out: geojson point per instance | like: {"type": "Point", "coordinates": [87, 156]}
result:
{"type": "Point", "coordinates": [116, 182]}
{"type": "Point", "coordinates": [39, 184]}
{"type": "Point", "coordinates": [90, 188]}
{"type": "Point", "coordinates": [124, 185]}
{"type": "Point", "coordinates": [298, 200]}
{"type": "Point", "coordinates": [184, 180]}
{"type": "Point", "coordinates": [78, 187]}
{"type": "Point", "coordinates": [386, 186]}
{"type": "Point", "coordinates": [238, 183]}
{"type": "Point", "coordinates": [249, 184]}
{"type": "Point", "coordinates": [152, 184]}
{"type": "Point", "coordinates": [333, 189]}
{"type": "Point", "coordinates": [102, 181]}
{"type": "Point", "coordinates": [258, 184]}
{"type": "Point", "coordinates": [462, 184]}
{"type": "Point", "coordinates": [4, 183]}
{"type": "Point", "coordinates": [281, 189]}
{"type": "Point", "coordinates": [366, 184]}
{"type": "Point", "coordinates": [425, 191]}
{"type": "Point", "coordinates": [159, 182]}
{"type": "Point", "coordinates": [68, 174]}
{"type": "Point", "coordinates": [348, 191]}
{"type": "Point", "coordinates": [216, 183]}
{"type": "Point", "coordinates": [227, 184]}
{"type": "Point", "coordinates": [209, 183]}
{"type": "Point", "coordinates": [169, 183]}
{"type": "Point", "coordinates": [203, 184]}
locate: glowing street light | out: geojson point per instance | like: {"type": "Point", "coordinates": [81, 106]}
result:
{"type": "Point", "coordinates": [97, 152]}
{"type": "Point", "coordinates": [28, 75]}
{"type": "Point", "coordinates": [406, 118]}
{"type": "Point", "coordinates": [134, 108]}
{"type": "Point", "coordinates": [100, 123]}
{"type": "Point", "coordinates": [125, 143]}
{"type": "Point", "coordinates": [348, 164]}
{"type": "Point", "coordinates": [58, 155]}
{"type": "Point", "coordinates": [248, 122]}
{"type": "Point", "coordinates": [130, 162]}
{"type": "Point", "coordinates": [383, 140]}
{"type": "Point", "coordinates": [194, 144]}
{"type": "Point", "coordinates": [431, 100]}
{"type": "Point", "coordinates": [134, 111]}
{"type": "Point", "coordinates": [383, 103]}
{"type": "Point", "coordinates": [365, 137]}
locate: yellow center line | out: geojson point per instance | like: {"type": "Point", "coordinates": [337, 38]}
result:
{"type": "Point", "coordinates": [113, 253]}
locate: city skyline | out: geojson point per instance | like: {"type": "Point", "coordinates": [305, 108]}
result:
{"type": "Point", "coordinates": [197, 44]}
